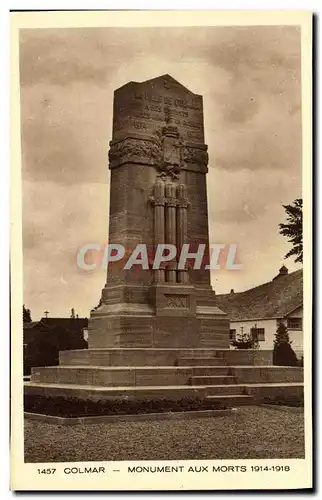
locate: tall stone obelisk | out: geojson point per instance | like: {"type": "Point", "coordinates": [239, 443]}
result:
{"type": "Point", "coordinates": [158, 162]}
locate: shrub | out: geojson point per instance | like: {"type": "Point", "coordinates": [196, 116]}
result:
{"type": "Point", "coordinates": [297, 401]}
{"type": "Point", "coordinates": [300, 361]}
{"type": "Point", "coordinates": [245, 341]}
{"type": "Point", "coordinates": [283, 354]}
{"type": "Point", "coordinates": [73, 407]}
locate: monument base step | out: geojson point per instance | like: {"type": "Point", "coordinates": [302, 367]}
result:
{"type": "Point", "coordinates": [254, 392]}
{"type": "Point", "coordinates": [201, 361]}
{"type": "Point", "coordinates": [226, 389]}
{"type": "Point", "coordinates": [120, 376]}
{"type": "Point", "coordinates": [231, 400]}
{"type": "Point", "coordinates": [231, 377]}
{"type": "Point", "coordinates": [163, 356]}
{"type": "Point", "coordinates": [212, 380]}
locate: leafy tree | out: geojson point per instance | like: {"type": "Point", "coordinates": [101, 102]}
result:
{"type": "Point", "coordinates": [293, 229]}
{"type": "Point", "coordinates": [26, 316]}
{"type": "Point", "coordinates": [283, 354]}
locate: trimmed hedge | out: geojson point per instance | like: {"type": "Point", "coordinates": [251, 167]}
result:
{"type": "Point", "coordinates": [73, 407]}
{"type": "Point", "coordinates": [297, 401]}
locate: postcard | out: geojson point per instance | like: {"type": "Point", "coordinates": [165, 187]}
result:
{"type": "Point", "coordinates": [161, 257]}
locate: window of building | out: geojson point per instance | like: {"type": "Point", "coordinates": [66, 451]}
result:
{"type": "Point", "coordinates": [294, 323]}
{"type": "Point", "coordinates": [85, 334]}
{"type": "Point", "coordinates": [258, 334]}
{"type": "Point", "coordinates": [232, 334]}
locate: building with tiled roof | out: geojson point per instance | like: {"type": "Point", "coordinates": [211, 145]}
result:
{"type": "Point", "coordinates": [262, 307]}
{"type": "Point", "coordinates": [43, 339]}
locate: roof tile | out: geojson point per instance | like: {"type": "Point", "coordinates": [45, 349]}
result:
{"type": "Point", "coordinates": [275, 299]}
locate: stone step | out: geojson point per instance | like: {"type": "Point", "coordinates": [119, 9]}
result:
{"type": "Point", "coordinates": [230, 395]}
{"type": "Point", "coordinates": [113, 376]}
{"type": "Point", "coordinates": [123, 376]}
{"type": "Point", "coordinates": [209, 361]}
{"type": "Point", "coordinates": [215, 344]}
{"type": "Point", "coordinates": [267, 374]}
{"type": "Point", "coordinates": [231, 400]}
{"type": "Point", "coordinates": [161, 356]}
{"type": "Point", "coordinates": [225, 389]}
{"type": "Point", "coordinates": [133, 356]}
{"type": "Point", "coordinates": [204, 371]}
{"type": "Point", "coordinates": [165, 375]}
{"type": "Point", "coordinates": [143, 392]}
{"type": "Point", "coordinates": [218, 339]}
{"type": "Point", "coordinates": [212, 380]}
{"type": "Point", "coordinates": [97, 393]}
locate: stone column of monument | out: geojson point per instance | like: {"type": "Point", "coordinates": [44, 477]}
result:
{"type": "Point", "coordinates": [182, 226]}
{"type": "Point", "coordinates": [158, 201]}
{"type": "Point", "coordinates": [170, 223]}
{"type": "Point", "coordinates": [158, 139]}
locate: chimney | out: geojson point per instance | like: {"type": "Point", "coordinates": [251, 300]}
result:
{"type": "Point", "coordinates": [282, 272]}
{"type": "Point", "coordinates": [232, 291]}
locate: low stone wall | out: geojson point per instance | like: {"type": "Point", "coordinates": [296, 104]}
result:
{"type": "Point", "coordinates": [286, 409]}
{"type": "Point", "coordinates": [282, 391]}
{"type": "Point", "coordinates": [129, 357]}
{"type": "Point", "coordinates": [165, 376]}
{"type": "Point", "coordinates": [109, 419]}
{"type": "Point", "coordinates": [253, 357]}
{"type": "Point", "coordinates": [104, 393]}
{"type": "Point", "coordinates": [267, 374]}
{"type": "Point", "coordinates": [161, 357]}
{"type": "Point", "coordinates": [114, 377]}
{"type": "Point", "coordinates": [259, 392]}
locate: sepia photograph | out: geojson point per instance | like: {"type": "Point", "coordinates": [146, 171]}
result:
{"type": "Point", "coordinates": [163, 205]}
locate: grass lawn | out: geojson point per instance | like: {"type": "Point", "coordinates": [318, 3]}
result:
{"type": "Point", "coordinates": [251, 432]}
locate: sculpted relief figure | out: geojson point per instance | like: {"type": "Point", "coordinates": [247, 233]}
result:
{"type": "Point", "coordinates": [129, 148]}
{"type": "Point", "coordinates": [171, 164]}
{"type": "Point", "coordinates": [166, 150]}
{"type": "Point", "coordinates": [172, 148]}
{"type": "Point", "coordinates": [195, 155]}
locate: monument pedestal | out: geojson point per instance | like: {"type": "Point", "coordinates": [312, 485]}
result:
{"type": "Point", "coordinates": [167, 316]}
{"type": "Point", "coordinates": [217, 376]}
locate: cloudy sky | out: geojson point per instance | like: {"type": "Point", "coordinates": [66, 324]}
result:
{"type": "Point", "coordinates": [250, 82]}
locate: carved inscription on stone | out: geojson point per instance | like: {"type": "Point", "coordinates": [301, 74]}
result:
{"type": "Point", "coordinates": [158, 122]}
{"type": "Point", "coordinates": [177, 301]}
{"type": "Point", "coordinates": [143, 108]}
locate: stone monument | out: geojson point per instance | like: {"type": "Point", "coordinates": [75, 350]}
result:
{"type": "Point", "coordinates": [157, 332]}
{"type": "Point", "coordinates": [158, 160]}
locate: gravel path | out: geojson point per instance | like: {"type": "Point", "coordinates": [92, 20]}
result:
{"type": "Point", "coordinates": [252, 432]}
